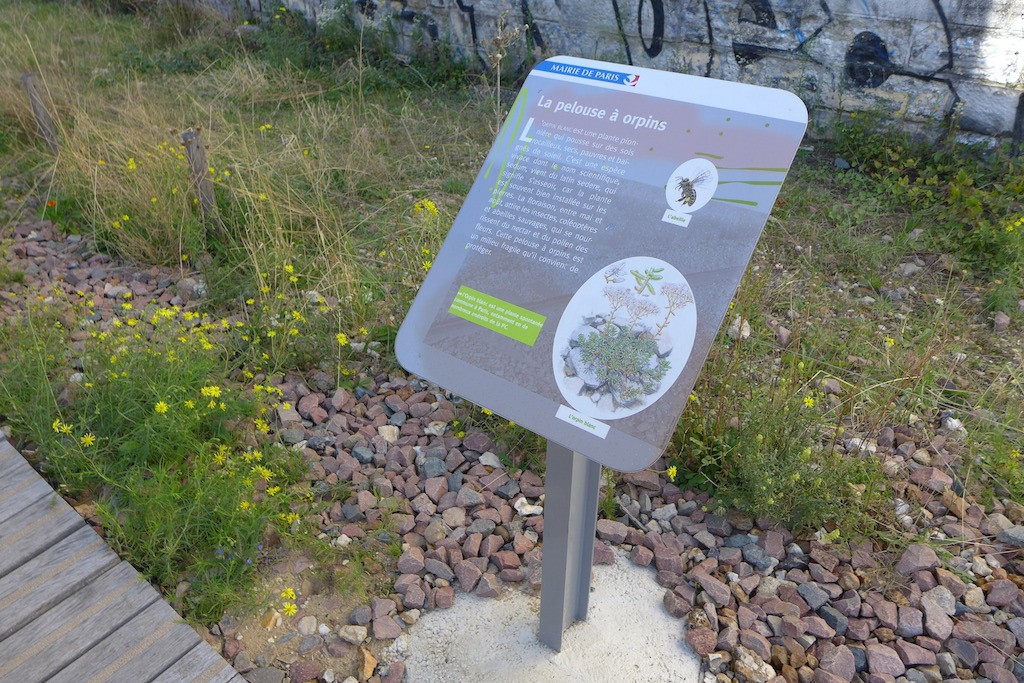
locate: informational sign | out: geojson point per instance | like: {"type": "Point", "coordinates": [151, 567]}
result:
{"type": "Point", "coordinates": [586, 276]}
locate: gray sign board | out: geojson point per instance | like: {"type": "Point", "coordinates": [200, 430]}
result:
{"type": "Point", "coordinates": [586, 276]}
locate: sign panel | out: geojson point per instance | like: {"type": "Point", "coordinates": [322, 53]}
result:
{"type": "Point", "coordinates": [586, 275]}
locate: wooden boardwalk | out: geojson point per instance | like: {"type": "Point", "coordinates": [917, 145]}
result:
{"type": "Point", "coordinates": [71, 611]}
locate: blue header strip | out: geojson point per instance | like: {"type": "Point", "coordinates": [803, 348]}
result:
{"type": "Point", "coordinates": [588, 73]}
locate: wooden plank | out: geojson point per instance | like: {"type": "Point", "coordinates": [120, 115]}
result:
{"type": "Point", "coordinates": [34, 529]}
{"type": "Point", "coordinates": [7, 450]}
{"type": "Point", "coordinates": [20, 496]}
{"type": "Point", "coordinates": [12, 463]}
{"type": "Point", "coordinates": [50, 577]}
{"type": "Point", "coordinates": [200, 665]}
{"type": "Point", "coordinates": [15, 473]}
{"type": "Point", "coordinates": [140, 650]}
{"type": "Point", "coordinates": [61, 634]}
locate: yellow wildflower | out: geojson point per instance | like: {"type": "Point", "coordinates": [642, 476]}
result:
{"type": "Point", "coordinates": [425, 205]}
{"type": "Point", "coordinates": [289, 609]}
{"type": "Point", "coordinates": [88, 439]}
{"type": "Point", "coordinates": [161, 407]}
{"type": "Point", "coordinates": [288, 594]}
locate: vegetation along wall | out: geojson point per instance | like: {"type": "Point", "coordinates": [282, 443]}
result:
{"type": "Point", "coordinates": [920, 61]}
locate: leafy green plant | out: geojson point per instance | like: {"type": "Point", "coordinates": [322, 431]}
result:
{"type": "Point", "coordinates": [969, 197]}
{"type": "Point", "coordinates": [10, 276]}
{"type": "Point", "coordinates": [138, 416]}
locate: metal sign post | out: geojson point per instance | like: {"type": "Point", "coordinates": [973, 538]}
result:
{"type": "Point", "coordinates": [572, 483]}
{"type": "Point", "coordinates": [589, 269]}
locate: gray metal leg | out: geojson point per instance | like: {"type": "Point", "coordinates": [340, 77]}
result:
{"type": "Point", "coordinates": [571, 484]}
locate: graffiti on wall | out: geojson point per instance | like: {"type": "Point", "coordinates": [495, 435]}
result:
{"type": "Point", "coordinates": [906, 58]}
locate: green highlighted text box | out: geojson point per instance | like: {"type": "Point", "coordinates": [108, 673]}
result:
{"type": "Point", "coordinates": [496, 315]}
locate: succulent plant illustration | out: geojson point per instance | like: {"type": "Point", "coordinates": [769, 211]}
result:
{"type": "Point", "coordinates": [619, 352]}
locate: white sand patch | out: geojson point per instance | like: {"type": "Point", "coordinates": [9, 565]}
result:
{"type": "Point", "coordinates": [628, 636]}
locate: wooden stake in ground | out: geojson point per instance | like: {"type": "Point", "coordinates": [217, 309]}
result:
{"type": "Point", "coordinates": [199, 178]}
{"type": "Point", "coordinates": [43, 120]}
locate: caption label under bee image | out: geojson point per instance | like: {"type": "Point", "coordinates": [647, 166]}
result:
{"type": "Point", "coordinates": [689, 188]}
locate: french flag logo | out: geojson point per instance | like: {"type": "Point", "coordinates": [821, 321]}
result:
{"type": "Point", "coordinates": [631, 79]}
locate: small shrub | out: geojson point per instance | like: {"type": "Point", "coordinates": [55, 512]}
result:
{"type": "Point", "coordinates": [141, 418]}
{"type": "Point", "coordinates": [970, 199]}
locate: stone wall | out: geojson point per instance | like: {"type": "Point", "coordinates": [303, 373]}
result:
{"type": "Point", "coordinates": [921, 61]}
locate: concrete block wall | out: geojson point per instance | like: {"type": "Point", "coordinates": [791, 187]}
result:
{"type": "Point", "coordinates": [924, 62]}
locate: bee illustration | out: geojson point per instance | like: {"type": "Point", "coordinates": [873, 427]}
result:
{"type": "Point", "coordinates": [688, 187]}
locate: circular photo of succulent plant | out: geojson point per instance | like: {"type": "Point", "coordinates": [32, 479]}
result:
{"type": "Point", "coordinates": [624, 338]}
{"type": "Point", "coordinates": [691, 185]}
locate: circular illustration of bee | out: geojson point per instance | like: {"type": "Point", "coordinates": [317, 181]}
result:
{"type": "Point", "coordinates": [691, 185]}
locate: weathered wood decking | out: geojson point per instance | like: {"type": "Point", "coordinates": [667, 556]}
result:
{"type": "Point", "coordinates": [71, 610]}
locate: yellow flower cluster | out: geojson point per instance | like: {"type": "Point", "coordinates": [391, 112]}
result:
{"type": "Point", "coordinates": [425, 206]}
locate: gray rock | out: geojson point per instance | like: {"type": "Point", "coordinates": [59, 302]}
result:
{"type": "Point", "coordinates": [813, 595]}
{"type": "Point", "coordinates": [481, 526]}
{"type": "Point", "coordinates": [835, 619]}
{"type": "Point", "coordinates": [685, 507]}
{"type": "Point", "coordinates": [490, 459]}
{"type": "Point", "coordinates": [310, 643]}
{"type": "Point", "coordinates": [292, 436]}
{"type": "Point", "coordinates": [265, 675]}
{"type": "Point", "coordinates": [363, 454]}
{"type": "Point", "coordinates": [352, 513]}
{"type": "Point", "coordinates": [1013, 536]}
{"type": "Point", "coordinates": [755, 555]}
{"type": "Point", "coordinates": [508, 490]}
{"type": "Point", "coordinates": [360, 616]}
{"type": "Point", "coordinates": [664, 513]}
{"type": "Point", "coordinates": [468, 498]}
{"type": "Point", "coordinates": [965, 652]}
{"type": "Point", "coordinates": [432, 467]}
{"type": "Point", "coordinates": [242, 663]}
{"type": "Point", "coordinates": [947, 664]}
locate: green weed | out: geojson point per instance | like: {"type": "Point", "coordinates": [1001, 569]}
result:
{"type": "Point", "coordinates": [139, 416]}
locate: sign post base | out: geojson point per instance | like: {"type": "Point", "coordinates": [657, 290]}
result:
{"type": "Point", "coordinates": [572, 485]}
